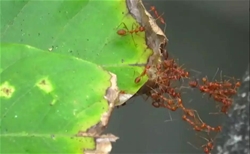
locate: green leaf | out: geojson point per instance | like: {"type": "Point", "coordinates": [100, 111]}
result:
{"type": "Point", "coordinates": [46, 98]}
{"type": "Point", "coordinates": [57, 85]}
{"type": "Point", "coordinates": [84, 29]}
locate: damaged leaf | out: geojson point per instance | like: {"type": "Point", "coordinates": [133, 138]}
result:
{"type": "Point", "coordinates": [51, 101]}
{"type": "Point", "coordinates": [60, 83]}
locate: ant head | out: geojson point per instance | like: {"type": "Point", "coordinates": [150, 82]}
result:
{"type": "Point", "coordinates": [237, 84]}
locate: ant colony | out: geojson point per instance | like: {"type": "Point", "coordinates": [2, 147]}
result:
{"type": "Point", "coordinates": [165, 94]}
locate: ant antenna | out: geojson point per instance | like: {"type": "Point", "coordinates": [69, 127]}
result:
{"type": "Point", "coordinates": [193, 146]}
{"type": "Point", "coordinates": [215, 73]}
{"type": "Point", "coordinates": [171, 119]}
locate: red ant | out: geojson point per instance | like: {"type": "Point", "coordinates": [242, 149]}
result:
{"type": "Point", "coordinates": [123, 32]}
{"type": "Point", "coordinates": [237, 84]}
{"type": "Point", "coordinates": [193, 84]}
{"type": "Point", "coordinates": [169, 63]}
{"type": "Point", "coordinates": [152, 8]}
{"type": "Point", "coordinates": [156, 104]}
{"type": "Point", "coordinates": [204, 80]}
{"type": "Point", "coordinates": [138, 79]}
{"type": "Point", "coordinates": [160, 101]}
{"type": "Point", "coordinates": [208, 147]}
{"type": "Point", "coordinates": [198, 124]}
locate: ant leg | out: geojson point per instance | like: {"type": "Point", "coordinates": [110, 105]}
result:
{"type": "Point", "coordinates": [193, 145]}
{"type": "Point", "coordinates": [215, 74]}
{"type": "Point", "coordinates": [124, 26]}
{"type": "Point", "coordinates": [163, 22]}
{"type": "Point", "coordinates": [158, 17]}
{"type": "Point", "coordinates": [161, 19]}
{"type": "Point", "coordinates": [131, 32]}
{"type": "Point", "coordinates": [197, 117]}
{"type": "Point", "coordinates": [221, 78]}
{"type": "Point", "coordinates": [171, 119]}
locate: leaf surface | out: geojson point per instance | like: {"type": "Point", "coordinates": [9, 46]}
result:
{"type": "Point", "coordinates": [84, 29]}
{"type": "Point", "coordinates": [42, 99]}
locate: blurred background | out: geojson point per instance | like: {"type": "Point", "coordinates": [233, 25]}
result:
{"type": "Point", "coordinates": [204, 36]}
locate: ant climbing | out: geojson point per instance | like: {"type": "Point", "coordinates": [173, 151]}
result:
{"type": "Point", "coordinates": [157, 16]}
{"type": "Point", "coordinates": [167, 77]}
{"type": "Point", "coordinates": [193, 118]}
{"type": "Point", "coordinates": [125, 31]}
{"type": "Point", "coordinates": [207, 147]}
{"type": "Point", "coordinates": [152, 8]}
{"type": "Point", "coordinates": [138, 79]}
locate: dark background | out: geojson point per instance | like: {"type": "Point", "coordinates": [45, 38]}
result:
{"type": "Point", "coordinates": [204, 35]}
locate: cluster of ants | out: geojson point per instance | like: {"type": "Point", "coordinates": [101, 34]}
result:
{"type": "Point", "coordinates": [165, 95]}
{"type": "Point", "coordinates": [221, 92]}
